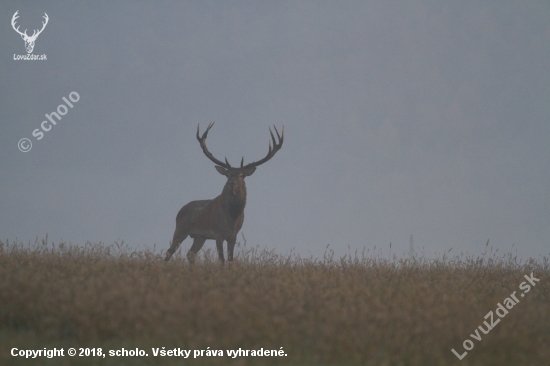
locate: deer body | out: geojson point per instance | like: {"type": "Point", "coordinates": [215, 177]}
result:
{"type": "Point", "coordinates": [221, 218]}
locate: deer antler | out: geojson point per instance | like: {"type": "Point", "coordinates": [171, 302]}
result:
{"type": "Point", "coordinates": [43, 26]}
{"type": "Point", "coordinates": [15, 16]}
{"type": "Point", "coordinates": [202, 141]}
{"type": "Point", "coordinates": [272, 150]}
{"type": "Point", "coordinates": [34, 34]}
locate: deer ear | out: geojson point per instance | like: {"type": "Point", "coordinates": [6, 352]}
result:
{"type": "Point", "coordinates": [248, 171]}
{"type": "Point", "coordinates": [222, 171]}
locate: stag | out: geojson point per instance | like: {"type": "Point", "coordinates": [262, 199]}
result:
{"type": "Point", "coordinates": [29, 41]}
{"type": "Point", "coordinates": [221, 218]}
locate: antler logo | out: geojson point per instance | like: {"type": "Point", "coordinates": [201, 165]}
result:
{"type": "Point", "coordinates": [29, 41]}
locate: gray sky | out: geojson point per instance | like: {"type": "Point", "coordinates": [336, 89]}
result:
{"type": "Point", "coordinates": [427, 118]}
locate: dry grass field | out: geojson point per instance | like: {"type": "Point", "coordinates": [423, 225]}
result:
{"type": "Point", "coordinates": [356, 310]}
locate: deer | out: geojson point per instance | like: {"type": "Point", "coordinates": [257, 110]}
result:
{"type": "Point", "coordinates": [221, 218]}
{"type": "Point", "coordinates": [29, 41]}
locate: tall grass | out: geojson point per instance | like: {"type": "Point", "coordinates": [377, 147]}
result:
{"type": "Point", "coordinates": [354, 310]}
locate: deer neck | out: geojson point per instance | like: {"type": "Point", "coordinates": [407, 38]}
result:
{"type": "Point", "coordinates": [234, 203]}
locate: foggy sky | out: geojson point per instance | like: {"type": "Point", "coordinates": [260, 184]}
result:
{"type": "Point", "coordinates": [401, 118]}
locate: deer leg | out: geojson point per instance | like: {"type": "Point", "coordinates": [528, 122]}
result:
{"type": "Point", "coordinates": [197, 245]}
{"type": "Point", "coordinates": [230, 247]}
{"type": "Point", "coordinates": [219, 246]}
{"type": "Point", "coordinates": [179, 236]}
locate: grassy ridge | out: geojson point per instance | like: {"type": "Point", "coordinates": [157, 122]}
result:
{"type": "Point", "coordinates": [354, 310]}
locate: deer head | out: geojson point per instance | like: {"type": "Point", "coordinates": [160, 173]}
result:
{"type": "Point", "coordinates": [29, 41]}
{"type": "Point", "coordinates": [235, 185]}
